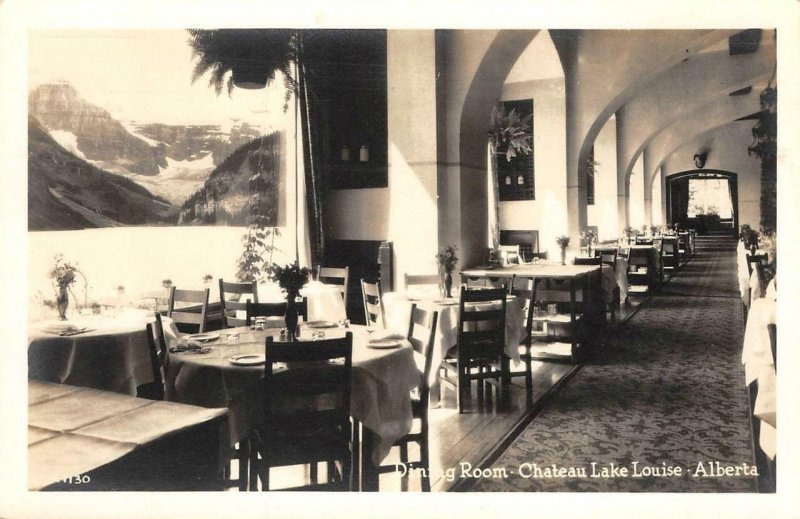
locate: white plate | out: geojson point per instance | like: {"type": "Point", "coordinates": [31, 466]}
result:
{"type": "Point", "coordinates": [384, 344]}
{"type": "Point", "coordinates": [321, 324]}
{"type": "Point", "coordinates": [445, 302]}
{"type": "Point", "coordinates": [203, 337]}
{"type": "Point", "coordinates": [251, 359]}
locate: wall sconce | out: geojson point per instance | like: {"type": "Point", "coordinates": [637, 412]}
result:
{"type": "Point", "coordinates": [363, 154]}
{"type": "Point", "coordinates": [700, 159]}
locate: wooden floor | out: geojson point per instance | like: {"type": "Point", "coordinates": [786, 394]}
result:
{"type": "Point", "coordinates": [479, 435]}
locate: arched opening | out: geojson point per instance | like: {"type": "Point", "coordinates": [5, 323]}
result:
{"type": "Point", "coordinates": [704, 200]}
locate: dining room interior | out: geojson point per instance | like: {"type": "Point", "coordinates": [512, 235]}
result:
{"type": "Point", "coordinates": [424, 260]}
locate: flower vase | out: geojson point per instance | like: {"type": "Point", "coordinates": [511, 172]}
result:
{"type": "Point", "coordinates": [589, 249]}
{"type": "Point", "coordinates": [448, 284]}
{"type": "Point", "coordinates": [563, 256]}
{"type": "Point", "coordinates": [753, 249]}
{"type": "Point", "coordinates": [62, 303]}
{"type": "Point", "coordinates": [291, 315]}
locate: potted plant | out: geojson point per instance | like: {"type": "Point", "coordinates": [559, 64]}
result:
{"type": "Point", "coordinates": [63, 276]}
{"type": "Point", "coordinates": [447, 260]}
{"type": "Point", "coordinates": [563, 243]}
{"type": "Point", "coordinates": [629, 233]}
{"type": "Point", "coordinates": [291, 278]}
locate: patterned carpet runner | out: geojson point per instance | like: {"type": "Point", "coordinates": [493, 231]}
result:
{"type": "Point", "coordinates": [664, 407]}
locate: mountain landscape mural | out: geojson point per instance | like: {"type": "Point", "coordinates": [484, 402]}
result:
{"type": "Point", "coordinates": [88, 170]}
{"type": "Point", "coordinates": [66, 192]}
{"type": "Point", "coordinates": [169, 160]}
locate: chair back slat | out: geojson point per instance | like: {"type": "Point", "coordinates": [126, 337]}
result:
{"type": "Point", "coordinates": [312, 396]}
{"type": "Point", "coordinates": [373, 304]}
{"type": "Point", "coordinates": [421, 334]}
{"type": "Point", "coordinates": [587, 261]}
{"type": "Point", "coordinates": [486, 326]}
{"type": "Point", "coordinates": [193, 314]}
{"type": "Point", "coordinates": [230, 305]}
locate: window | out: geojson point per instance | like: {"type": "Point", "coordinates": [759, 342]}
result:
{"type": "Point", "coordinates": [515, 177]}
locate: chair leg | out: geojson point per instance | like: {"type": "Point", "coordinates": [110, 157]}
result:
{"type": "Point", "coordinates": [331, 465]}
{"type": "Point", "coordinates": [314, 473]}
{"type": "Point", "coordinates": [404, 453]}
{"type": "Point", "coordinates": [425, 462]}
{"type": "Point", "coordinates": [244, 463]}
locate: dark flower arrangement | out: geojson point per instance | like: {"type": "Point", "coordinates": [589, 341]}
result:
{"type": "Point", "coordinates": [63, 272]}
{"type": "Point", "coordinates": [563, 242]}
{"type": "Point", "coordinates": [447, 259]}
{"type": "Point", "coordinates": [290, 278]}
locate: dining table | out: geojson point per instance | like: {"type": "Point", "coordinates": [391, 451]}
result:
{"type": "Point", "coordinates": [108, 352]}
{"type": "Point", "coordinates": [229, 373]}
{"type": "Point", "coordinates": [87, 439]}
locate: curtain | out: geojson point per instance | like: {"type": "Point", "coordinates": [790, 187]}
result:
{"type": "Point", "coordinates": [315, 236]}
{"type": "Point", "coordinates": [493, 198]}
{"type": "Point", "coordinates": [679, 192]}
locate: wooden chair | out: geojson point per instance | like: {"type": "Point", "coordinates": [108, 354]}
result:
{"type": "Point", "coordinates": [481, 340]}
{"type": "Point", "coordinates": [158, 351]}
{"type": "Point", "coordinates": [539, 255]}
{"type": "Point", "coordinates": [159, 360]}
{"type": "Point", "coordinates": [587, 261]}
{"type": "Point", "coordinates": [373, 304]}
{"type": "Point", "coordinates": [335, 276]}
{"type": "Point", "coordinates": [683, 246]}
{"type": "Point", "coordinates": [756, 259]}
{"type": "Point", "coordinates": [640, 282]}
{"type": "Point", "coordinates": [670, 257]}
{"type": "Point", "coordinates": [421, 334]}
{"type": "Point", "coordinates": [193, 314]}
{"type": "Point", "coordinates": [485, 281]}
{"type": "Point", "coordinates": [229, 307]}
{"type": "Point", "coordinates": [253, 310]}
{"type": "Point", "coordinates": [510, 254]}
{"type": "Point", "coordinates": [421, 280]}
{"type": "Point", "coordinates": [306, 410]}
{"type": "Point", "coordinates": [607, 257]}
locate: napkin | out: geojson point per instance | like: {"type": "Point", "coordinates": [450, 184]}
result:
{"type": "Point", "coordinates": [388, 336]}
{"type": "Point", "coordinates": [59, 328]}
{"type": "Point", "coordinates": [182, 343]}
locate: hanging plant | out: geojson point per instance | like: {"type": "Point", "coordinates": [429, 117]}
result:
{"type": "Point", "coordinates": [765, 147]}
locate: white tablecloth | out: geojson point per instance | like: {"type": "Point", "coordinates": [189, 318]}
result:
{"type": "Point", "coordinates": [760, 365]}
{"type": "Point", "coordinates": [112, 355]}
{"type": "Point", "coordinates": [397, 306]}
{"type": "Point", "coordinates": [621, 271]}
{"type": "Point", "coordinates": [381, 383]}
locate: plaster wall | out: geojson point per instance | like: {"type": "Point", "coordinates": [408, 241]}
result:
{"type": "Point", "coordinates": [548, 212]}
{"type": "Point", "coordinates": [728, 152]}
{"type": "Point", "coordinates": [603, 213]}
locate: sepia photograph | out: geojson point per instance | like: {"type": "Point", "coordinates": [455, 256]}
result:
{"type": "Point", "coordinates": [334, 251]}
